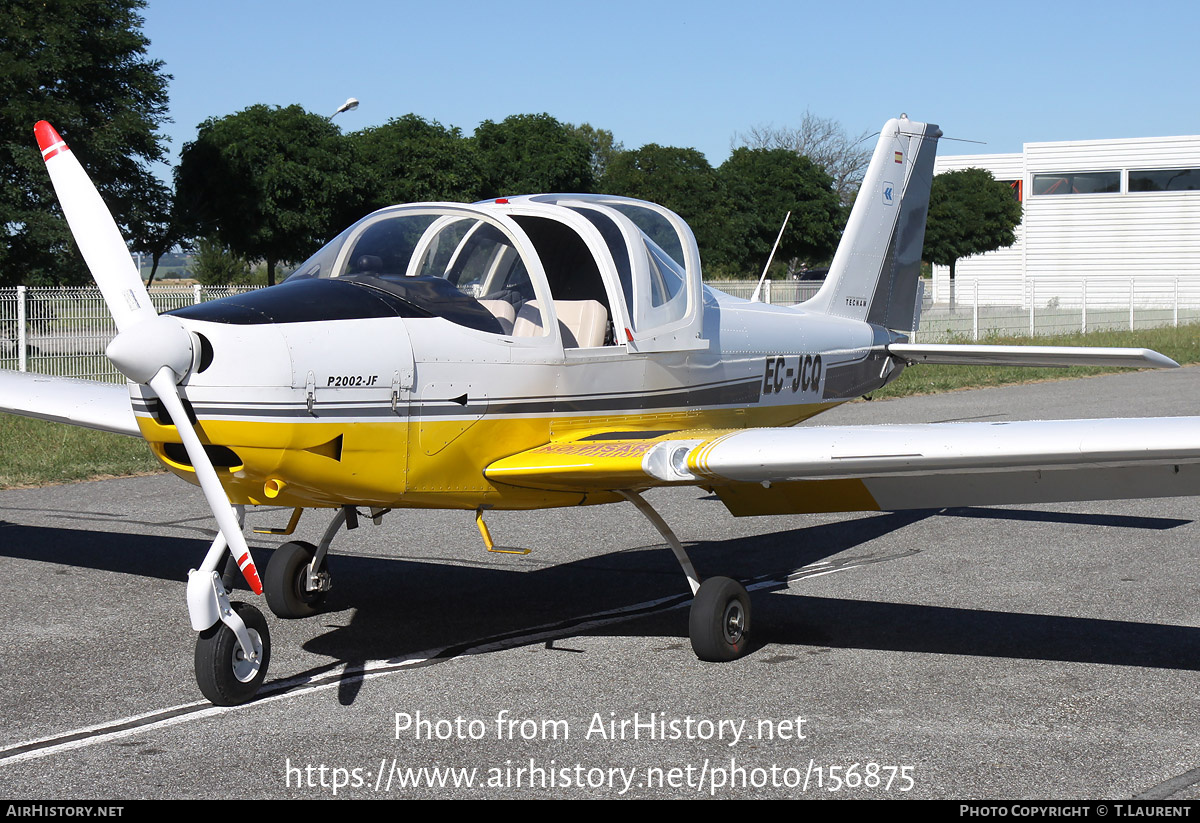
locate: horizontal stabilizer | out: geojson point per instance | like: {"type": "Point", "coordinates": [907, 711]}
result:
{"type": "Point", "coordinates": [1049, 356]}
{"type": "Point", "coordinates": [103, 406]}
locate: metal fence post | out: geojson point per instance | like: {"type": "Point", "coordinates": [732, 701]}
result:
{"type": "Point", "coordinates": [1175, 319]}
{"type": "Point", "coordinates": [1083, 306]}
{"type": "Point", "coordinates": [975, 314]}
{"type": "Point", "coordinates": [196, 291]}
{"type": "Point", "coordinates": [1032, 301]}
{"type": "Point", "coordinates": [22, 341]}
{"type": "Point", "coordinates": [767, 292]}
{"type": "Point", "coordinates": [1131, 304]}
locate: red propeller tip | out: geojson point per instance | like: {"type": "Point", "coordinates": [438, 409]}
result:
{"type": "Point", "coordinates": [250, 572]}
{"type": "Point", "coordinates": [48, 139]}
{"type": "Point", "coordinates": [251, 575]}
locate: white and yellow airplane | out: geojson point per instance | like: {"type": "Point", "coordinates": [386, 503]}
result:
{"type": "Point", "coordinates": [557, 350]}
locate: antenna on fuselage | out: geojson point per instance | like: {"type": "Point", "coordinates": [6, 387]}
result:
{"type": "Point", "coordinates": [755, 298]}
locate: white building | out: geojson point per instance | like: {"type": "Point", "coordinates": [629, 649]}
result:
{"type": "Point", "coordinates": [1102, 218]}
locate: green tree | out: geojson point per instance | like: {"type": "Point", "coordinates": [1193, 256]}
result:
{"type": "Point", "coordinates": [761, 186]}
{"type": "Point", "coordinates": [410, 159]}
{"type": "Point", "coordinates": [602, 145]}
{"type": "Point", "coordinates": [82, 65]}
{"type": "Point", "coordinates": [531, 154]}
{"type": "Point", "coordinates": [215, 265]}
{"type": "Point", "coordinates": [153, 225]}
{"type": "Point", "coordinates": [269, 183]}
{"type": "Point", "coordinates": [680, 179]}
{"type": "Point", "coordinates": [970, 212]}
{"type": "Point", "coordinates": [824, 141]}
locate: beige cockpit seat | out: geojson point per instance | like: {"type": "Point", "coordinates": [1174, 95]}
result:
{"type": "Point", "coordinates": [503, 311]}
{"type": "Point", "coordinates": [582, 323]}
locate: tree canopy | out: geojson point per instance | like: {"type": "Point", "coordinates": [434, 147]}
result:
{"type": "Point", "coordinates": [970, 212]}
{"type": "Point", "coordinates": [761, 186]}
{"type": "Point", "coordinates": [270, 183]}
{"type": "Point", "coordinates": [153, 226]}
{"type": "Point", "coordinates": [601, 145]}
{"type": "Point", "coordinates": [824, 141]}
{"type": "Point", "coordinates": [680, 179]}
{"type": "Point", "coordinates": [532, 153]}
{"type": "Point", "coordinates": [83, 67]}
{"type": "Point", "coordinates": [410, 159]}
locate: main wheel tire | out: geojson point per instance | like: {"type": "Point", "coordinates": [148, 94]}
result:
{"type": "Point", "coordinates": [224, 674]}
{"type": "Point", "coordinates": [284, 582]}
{"type": "Point", "coordinates": [719, 624]}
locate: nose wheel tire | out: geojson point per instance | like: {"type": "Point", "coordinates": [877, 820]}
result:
{"type": "Point", "coordinates": [284, 582]}
{"type": "Point", "coordinates": [225, 674]}
{"type": "Point", "coordinates": [720, 620]}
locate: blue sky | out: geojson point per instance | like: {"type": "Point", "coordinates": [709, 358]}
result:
{"type": "Point", "coordinates": [694, 73]}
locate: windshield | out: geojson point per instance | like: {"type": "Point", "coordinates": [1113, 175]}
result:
{"type": "Point", "coordinates": [458, 267]}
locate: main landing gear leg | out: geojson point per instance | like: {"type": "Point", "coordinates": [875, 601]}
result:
{"type": "Point", "coordinates": [719, 622]}
{"type": "Point", "coordinates": [297, 576]}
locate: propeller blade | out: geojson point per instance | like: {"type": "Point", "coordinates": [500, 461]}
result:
{"type": "Point", "coordinates": [163, 384]}
{"type": "Point", "coordinates": [96, 233]}
{"type": "Point", "coordinates": [148, 349]}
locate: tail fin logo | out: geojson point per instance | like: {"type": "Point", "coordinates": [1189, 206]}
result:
{"type": "Point", "coordinates": [888, 194]}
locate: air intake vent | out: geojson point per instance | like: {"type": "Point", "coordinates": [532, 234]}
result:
{"type": "Point", "coordinates": [221, 457]}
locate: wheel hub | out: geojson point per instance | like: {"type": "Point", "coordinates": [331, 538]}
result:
{"type": "Point", "coordinates": [245, 668]}
{"type": "Point", "coordinates": [733, 622]}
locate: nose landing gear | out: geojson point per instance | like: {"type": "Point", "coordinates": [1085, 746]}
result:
{"type": "Point", "coordinates": [226, 673]}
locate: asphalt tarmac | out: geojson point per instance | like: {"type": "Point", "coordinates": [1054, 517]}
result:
{"type": "Point", "coordinates": [1021, 652]}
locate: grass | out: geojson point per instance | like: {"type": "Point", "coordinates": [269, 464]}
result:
{"type": "Point", "coordinates": [34, 452]}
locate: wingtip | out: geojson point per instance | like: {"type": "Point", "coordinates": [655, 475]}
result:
{"type": "Point", "coordinates": [49, 140]}
{"type": "Point", "coordinates": [1167, 362]}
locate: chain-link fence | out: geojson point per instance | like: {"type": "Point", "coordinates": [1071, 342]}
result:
{"type": "Point", "coordinates": [64, 331]}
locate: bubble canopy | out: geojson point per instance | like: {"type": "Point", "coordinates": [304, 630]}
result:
{"type": "Point", "coordinates": [633, 266]}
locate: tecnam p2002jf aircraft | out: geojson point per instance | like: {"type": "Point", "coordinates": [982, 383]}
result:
{"type": "Point", "coordinates": [557, 350]}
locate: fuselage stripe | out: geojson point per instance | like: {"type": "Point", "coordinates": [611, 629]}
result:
{"type": "Point", "coordinates": [734, 394]}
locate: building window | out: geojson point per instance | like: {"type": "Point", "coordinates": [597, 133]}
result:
{"type": "Point", "coordinates": [1077, 182]}
{"type": "Point", "coordinates": [1164, 179]}
{"type": "Point", "coordinates": [1017, 187]}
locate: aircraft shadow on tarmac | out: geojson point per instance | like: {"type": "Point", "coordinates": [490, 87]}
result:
{"type": "Point", "coordinates": [385, 609]}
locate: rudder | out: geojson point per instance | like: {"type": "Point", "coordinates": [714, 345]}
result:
{"type": "Point", "coordinates": [877, 267]}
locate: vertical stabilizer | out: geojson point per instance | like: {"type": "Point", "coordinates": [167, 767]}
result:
{"type": "Point", "coordinates": [877, 267]}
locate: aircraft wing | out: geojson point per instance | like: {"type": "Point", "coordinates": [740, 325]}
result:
{"type": "Point", "coordinates": [871, 468]}
{"type": "Point", "coordinates": [103, 406]}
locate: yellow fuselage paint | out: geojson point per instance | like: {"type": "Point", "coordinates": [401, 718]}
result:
{"type": "Point", "coordinates": [422, 463]}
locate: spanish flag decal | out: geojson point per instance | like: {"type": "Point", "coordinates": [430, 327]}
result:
{"type": "Point", "coordinates": [899, 157]}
